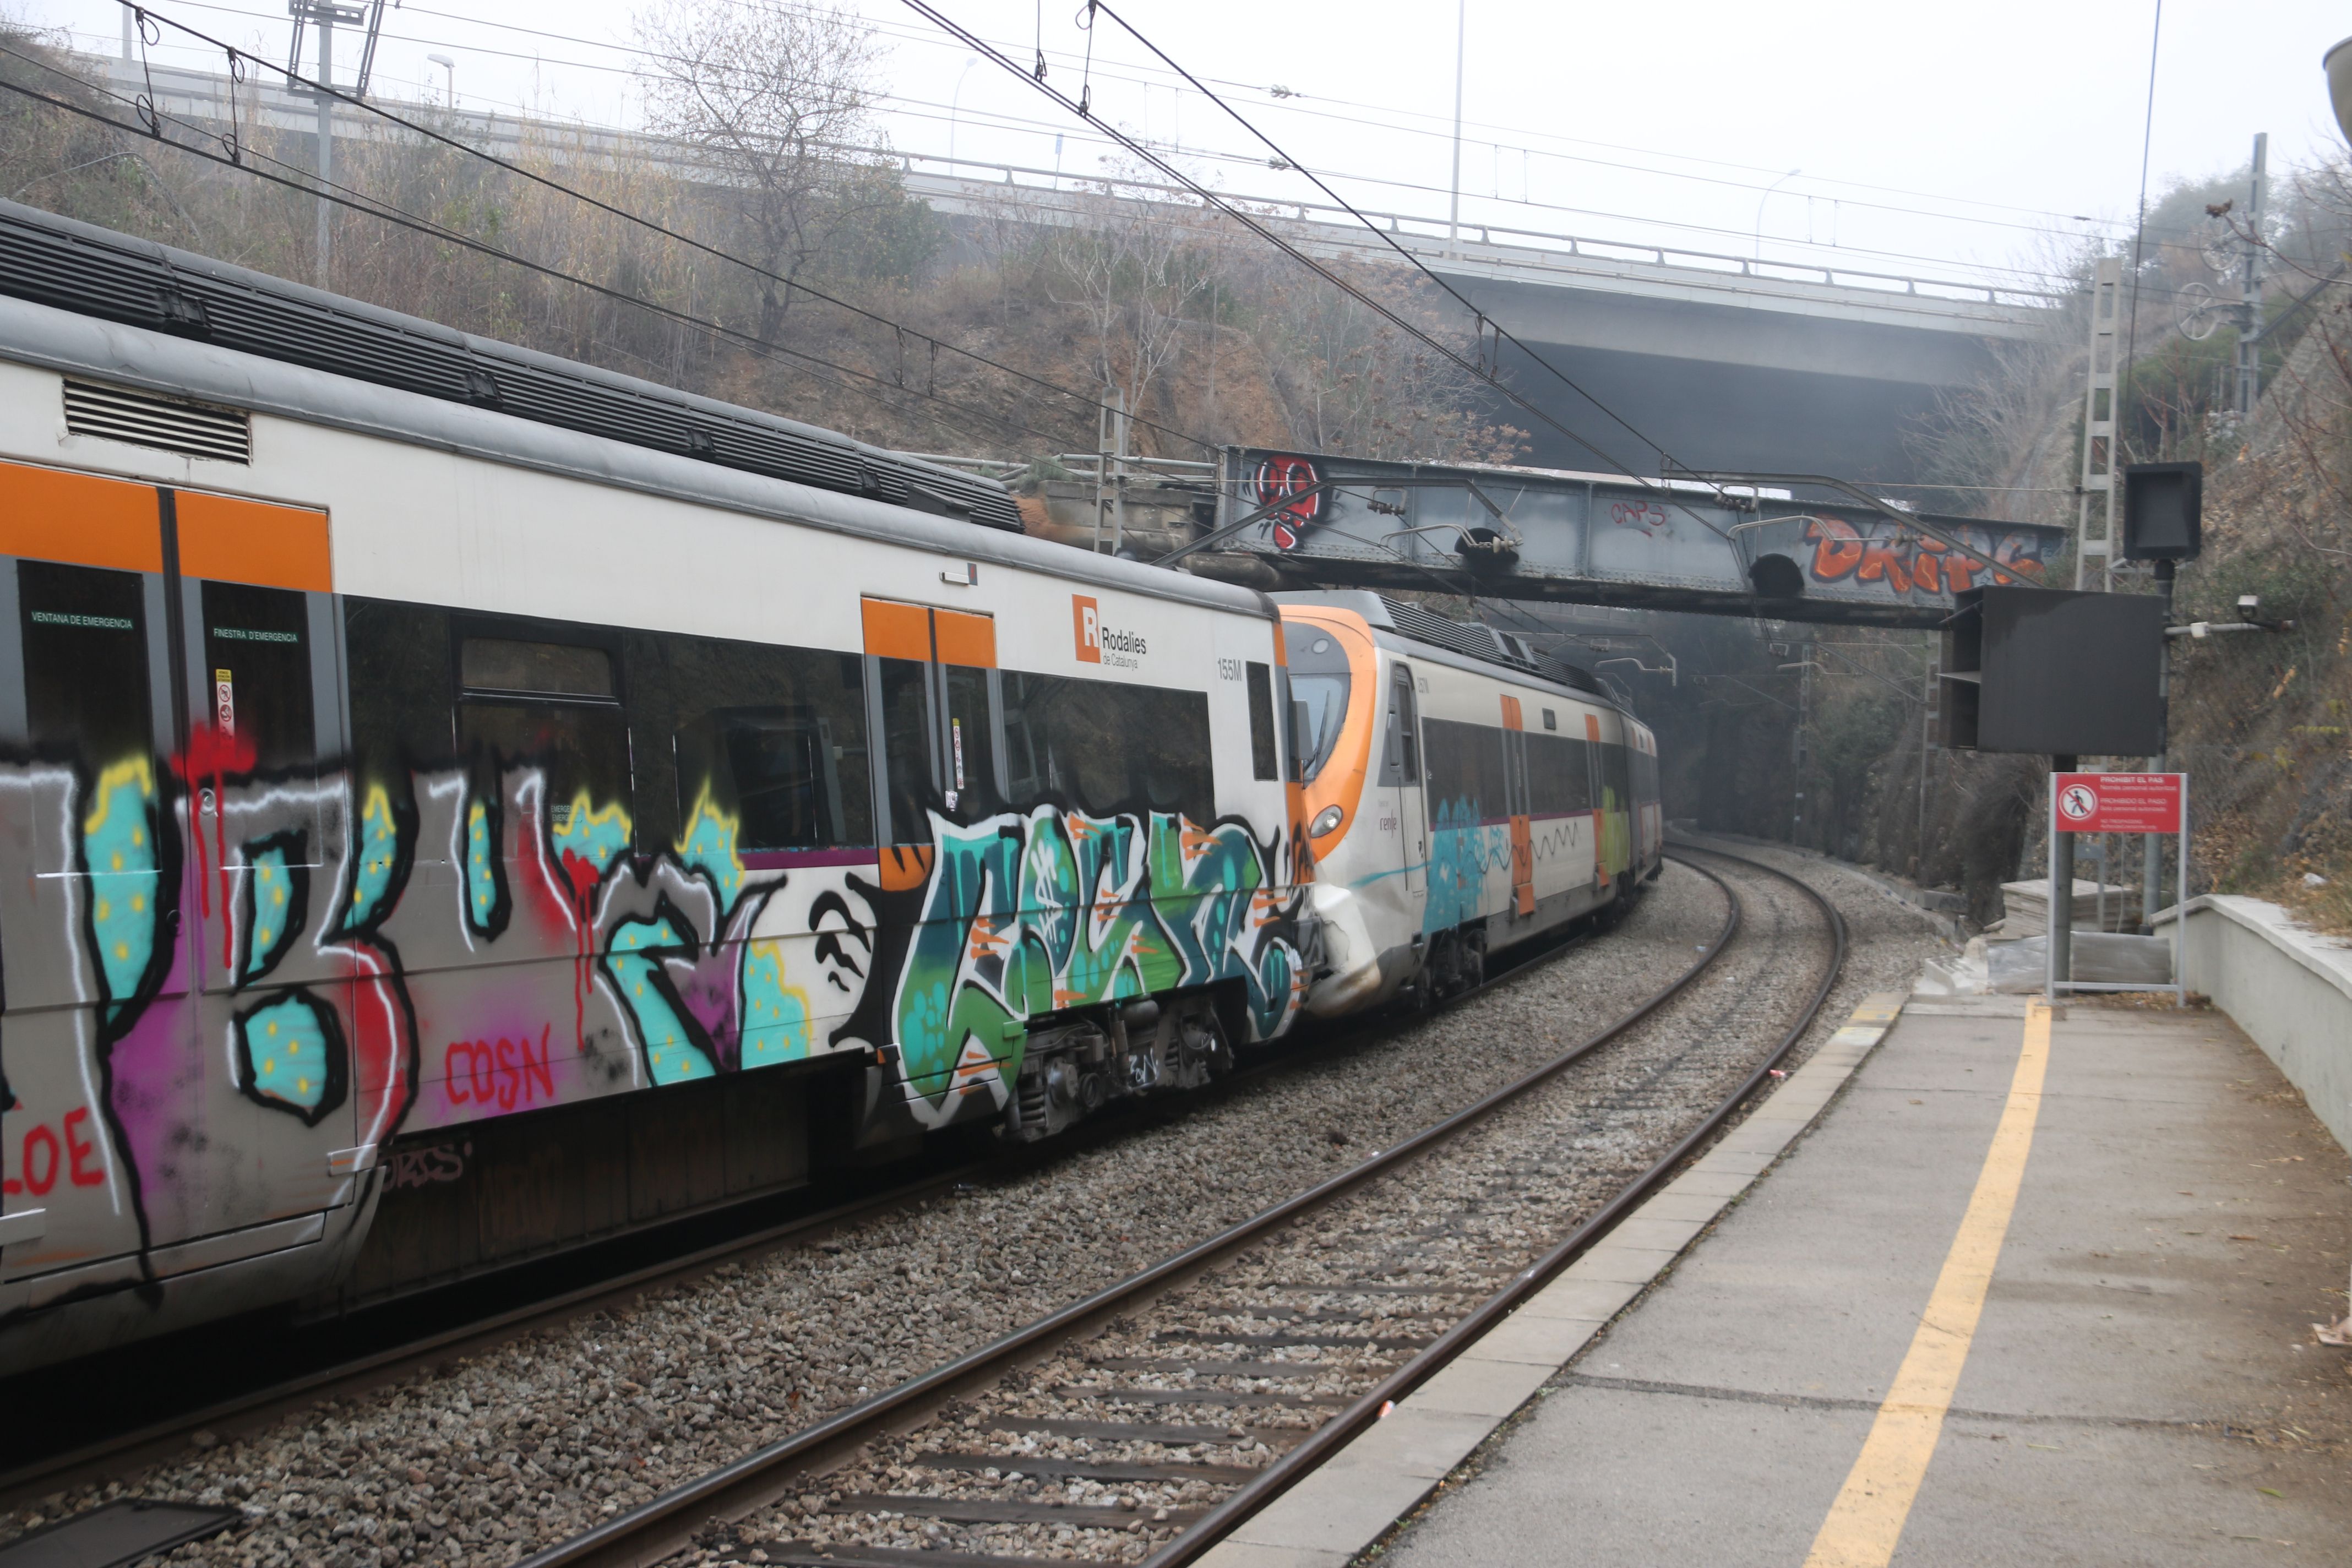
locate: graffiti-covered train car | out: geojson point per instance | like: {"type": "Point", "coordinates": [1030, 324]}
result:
{"type": "Point", "coordinates": [456, 804]}
{"type": "Point", "coordinates": [1461, 794]}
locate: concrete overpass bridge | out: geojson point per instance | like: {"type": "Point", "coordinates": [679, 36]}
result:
{"type": "Point", "coordinates": [1726, 361]}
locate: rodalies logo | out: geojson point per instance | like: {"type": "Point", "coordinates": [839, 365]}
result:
{"type": "Point", "coordinates": [1100, 644]}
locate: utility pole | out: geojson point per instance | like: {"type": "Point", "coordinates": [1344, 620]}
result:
{"type": "Point", "coordinates": [2250, 307]}
{"type": "Point", "coordinates": [127, 25]}
{"type": "Point", "coordinates": [1453, 212]}
{"type": "Point", "coordinates": [2094, 554]}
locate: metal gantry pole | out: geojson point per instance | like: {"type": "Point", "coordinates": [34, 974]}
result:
{"type": "Point", "coordinates": [326, 144]}
{"type": "Point", "coordinates": [2061, 935]}
{"type": "Point", "coordinates": [2099, 496]}
{"type": "Point", "coordinates": [2250, 305]}
{"type": "Point", "coordinates": [1928, 716]}
{"type": "Point", "coordinates": [2151, 863]}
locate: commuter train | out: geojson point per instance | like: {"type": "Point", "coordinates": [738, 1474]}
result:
{"type": "Point", "coordinates": [1460, 796]}
{"type": "Point", "coordinates": [456, 804]}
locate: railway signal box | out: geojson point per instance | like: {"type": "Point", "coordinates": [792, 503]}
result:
{"type": "Point", "coordinates": [2056, 673]}
{"type": "Point", "coordinates": [2163, 506]}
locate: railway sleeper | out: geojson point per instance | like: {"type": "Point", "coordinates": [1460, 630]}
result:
{"type": "Point", "coordinates": [1072, 1068]}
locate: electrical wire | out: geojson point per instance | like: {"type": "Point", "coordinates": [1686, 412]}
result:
{"type": "Point", "coordinates": [1387, 313]}
{"type": "Point", "coordinates": [935, 344]}
{"type": "Point", "coordinates": [910, 106]}
{"type": "Point", "coordinates": [308, 183]}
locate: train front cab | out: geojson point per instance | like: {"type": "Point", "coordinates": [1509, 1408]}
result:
{"type": "Point", "coordinates": [1454, 811]}
{"type": "Point", "coordinates": [1357, 744]}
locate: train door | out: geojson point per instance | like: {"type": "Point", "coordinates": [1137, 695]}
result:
{"type": "Point", "coordinates": [268, 854]}
{"type": "Point", "coordinates": [930, 712]}
{"type": "Point", "coordinates": [1517, 804]}
{"type": "Point", "coordinates": [133, 1116]}
{"type": "Point", "coordinates": [1401, 773]}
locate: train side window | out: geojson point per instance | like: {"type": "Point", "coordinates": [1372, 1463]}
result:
{"type": "Point", "coordinates": [1559, 780]}
{"type": "Point", "coordinates": [403, 721]}
{"type": "Point", "coordinates": [86, 695]}
{"type": "Point", "coordinates": [257, 671]}
{"type": "Point", "coordinates": [1264, 762]}
{"type": "Point", "coordinates": [1467, 772]}
{"type": "Point", "coordinates": [1107, 747]}
{"type": "Point", "coordinates": [1616, 778]}
{"type": "Point", "coordinates": [774, 737]}
{"type": "Point", "coordinates": [553, 706]}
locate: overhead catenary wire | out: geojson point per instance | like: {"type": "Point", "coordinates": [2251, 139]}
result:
{"type": "Point", "coordinates": [1297, 104]}
{"type": "Point", "coordinates": [307, 182]}
{"type": "Point", "coordinates": [934, 343]}
{"type": "Point", "coordinates": [1386, 312]}
{"type": "Point", "coordinates": [915, 108]}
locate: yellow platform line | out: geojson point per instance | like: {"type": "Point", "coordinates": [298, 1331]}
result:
{"type": "Point", "coordinates": [1867, 1519]}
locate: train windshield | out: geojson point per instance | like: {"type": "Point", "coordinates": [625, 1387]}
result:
{"type": "Point", "coordinates": [1318, 694]}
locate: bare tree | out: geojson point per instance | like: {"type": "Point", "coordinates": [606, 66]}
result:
{"type": "Point", "coordinates": [1137, 272]}
{"type": "Point", "coordinates": [780, 101]}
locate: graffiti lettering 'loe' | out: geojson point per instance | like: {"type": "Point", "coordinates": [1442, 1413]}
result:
{"type": "Point", "coordinates": [45, 1155]}
{"type": "Point", "coordinates": [502, 1072]}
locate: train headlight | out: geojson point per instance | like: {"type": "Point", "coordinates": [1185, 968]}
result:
{"type": "Point", "coordinates": [1326, 823]}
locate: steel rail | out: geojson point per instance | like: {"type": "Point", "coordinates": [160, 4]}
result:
{"type": "Point", "coordinates": [653, 1530]}
{"type": "Point", "coordinates": [242, 1413]}
{"type": "Point", "coordinates": [1328, 1439]}
{"type": "Point", "coordinates": [157, 1440]}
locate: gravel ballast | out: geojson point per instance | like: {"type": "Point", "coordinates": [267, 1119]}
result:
{"type": "Point", "coordinates": [487, 1459]}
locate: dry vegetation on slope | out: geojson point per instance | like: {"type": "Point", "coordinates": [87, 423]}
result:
{"type": "Point", "coordinates": [767, 151]}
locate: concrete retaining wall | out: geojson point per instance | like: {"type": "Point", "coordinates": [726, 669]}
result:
{"type": "Point", "coordinates": [2289, 988]}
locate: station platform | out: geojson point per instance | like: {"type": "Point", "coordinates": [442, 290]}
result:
{"type": "Point", "coordinates": [2031, 1288]}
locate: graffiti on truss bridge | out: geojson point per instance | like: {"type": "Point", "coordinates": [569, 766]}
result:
{"type": "Point", "coordinates": [1280, 479]}
{"type": "Point", "coordinates": [1905, 561]}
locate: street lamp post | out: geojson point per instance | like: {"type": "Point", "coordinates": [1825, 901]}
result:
{"type": "Point", "coordinates": [1759, 207]}
{"type": "Point", "coordinates": [955, 101]}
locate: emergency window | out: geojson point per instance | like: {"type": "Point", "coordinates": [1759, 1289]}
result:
{"type": "Point", "coordinates": [86, 697]}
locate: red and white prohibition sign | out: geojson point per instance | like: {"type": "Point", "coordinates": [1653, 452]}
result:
{"type": "Point", "coordinates": [2118, 803]}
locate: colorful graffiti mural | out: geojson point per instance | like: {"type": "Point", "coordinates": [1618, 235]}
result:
{"type": "Point", "coordinates": [480, 953]}
{"type": "Point", "coordinates": [1908, 562]}
{"type": "Point", "coordinates": [1038, 913]}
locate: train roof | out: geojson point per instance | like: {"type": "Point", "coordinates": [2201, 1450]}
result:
{"type": "Point", "coordinates": [1474, 638]}
{"type": "Point", "coordinates": [94, 271]}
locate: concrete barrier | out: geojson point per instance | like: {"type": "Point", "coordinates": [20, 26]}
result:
{"type": "Point", "coordinates": [2288, 987]}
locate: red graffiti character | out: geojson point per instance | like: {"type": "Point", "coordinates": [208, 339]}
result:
{"type": "Point", "coordinates": [1278, 478]}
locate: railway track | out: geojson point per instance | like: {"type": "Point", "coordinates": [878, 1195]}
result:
{"type": "Point", "coordinates": [167, 1430]}
{"type": "Point", "coordinates": [1147, 1421]}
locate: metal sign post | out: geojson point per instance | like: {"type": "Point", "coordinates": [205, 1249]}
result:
{"type": "Point", "coordinates": [2153, 803]}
